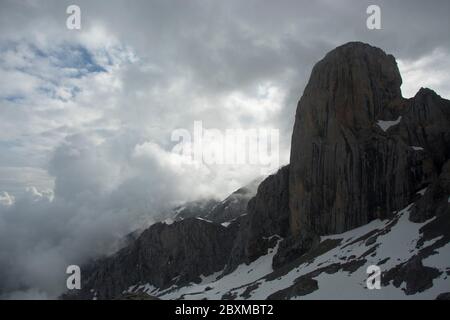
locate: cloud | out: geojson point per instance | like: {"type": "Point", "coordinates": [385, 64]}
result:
{"type": "Point", "coordinates": [6, 199]}
{"type": "Point", "coordinates": [87, 115]}
{"type": "Point", "coordinates": [429, 71]}
{"type": "Point", "coordinates": [103, 189]}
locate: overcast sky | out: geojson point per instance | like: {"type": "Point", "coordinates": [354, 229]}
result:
{"type": "Point", "coordinates": [87, 115]}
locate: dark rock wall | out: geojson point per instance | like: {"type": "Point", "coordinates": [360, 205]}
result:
{"type": "Point", "coordinates": [345, 170]}
{"type": "Point", "coordinates": [163, 255]}
{"type": "Point", "coordinates": [268, 216]}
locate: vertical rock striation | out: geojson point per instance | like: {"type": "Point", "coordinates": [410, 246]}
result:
{"type": "Point", "coordinates": [266, 222]}
{"type": "Point", "coordinates": [347, 168]}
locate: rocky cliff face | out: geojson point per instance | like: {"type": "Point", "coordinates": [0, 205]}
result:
{"type": "Point", "coordinates": [163, 255]}
{"type": "Point", "coordinates": [225, 211]}
{"type": "Point", "coordinates": [348, 166]}
{"type": "Point", "coordinates": [235, 205]}
{"type": "Point", "coordinates": [193, 209]}
{"type": "Point", "coordinates": [266, 222]}
{"type": "Point", "coordinates": [425, 124]}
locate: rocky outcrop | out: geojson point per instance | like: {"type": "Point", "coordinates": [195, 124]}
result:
{"type": "Point", "coordinates": [347, 166]}
{"type": "Point", "coordinates": [443, 296]}
{"type": "Point", "coordinates": [425, 124]}
{"type": "Point", "coordinates": [235, 205]}
{"type": "Point", "coordinates": [417, 277]}
{"type": "Point", "coordinates": [162, 256]}
{"type": "Point", "coordinates": [266, 222]}
{"type": "Point", "coordinates": [232, 207]}
{"type": "Point", "coordinates": [194, 209]}
{"type": "Point", "coordinates": [435, 199]}
{"type": "Point", "coordinates": [293, 247]}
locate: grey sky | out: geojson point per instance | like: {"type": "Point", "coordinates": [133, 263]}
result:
{"type": "Point", "coordinates": [86, 116]}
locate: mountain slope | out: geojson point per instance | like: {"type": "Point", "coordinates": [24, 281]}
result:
{"type": "Point", "coordinates": [411, 256]}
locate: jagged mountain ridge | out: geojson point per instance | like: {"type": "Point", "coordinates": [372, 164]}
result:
{"type": "Point", "coordinates": [360, 154]}
{"type": "Point", "coordinates": [225, 211]}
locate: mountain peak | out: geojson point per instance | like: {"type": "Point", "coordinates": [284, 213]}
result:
{"type": "Point", "coordinates": [424, 92]}
{"type": "Point", "coordinates": [354, 83]}
{"type": "Point", "coordinates": [339, 158]}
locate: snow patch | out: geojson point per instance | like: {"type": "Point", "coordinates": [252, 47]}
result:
{"type": "Point", "coordinates": [203, 219]}
{"type": "Point", "coordinates": [440, 259]}
{"type": "Point", "coordinates": [231, 283]}
{"type": "Point", "coordinates": [385, 125]}
{"type": "Point", "coordinates": [422, 192]}
{"type": "Point", "coordinates": [168, 221]}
